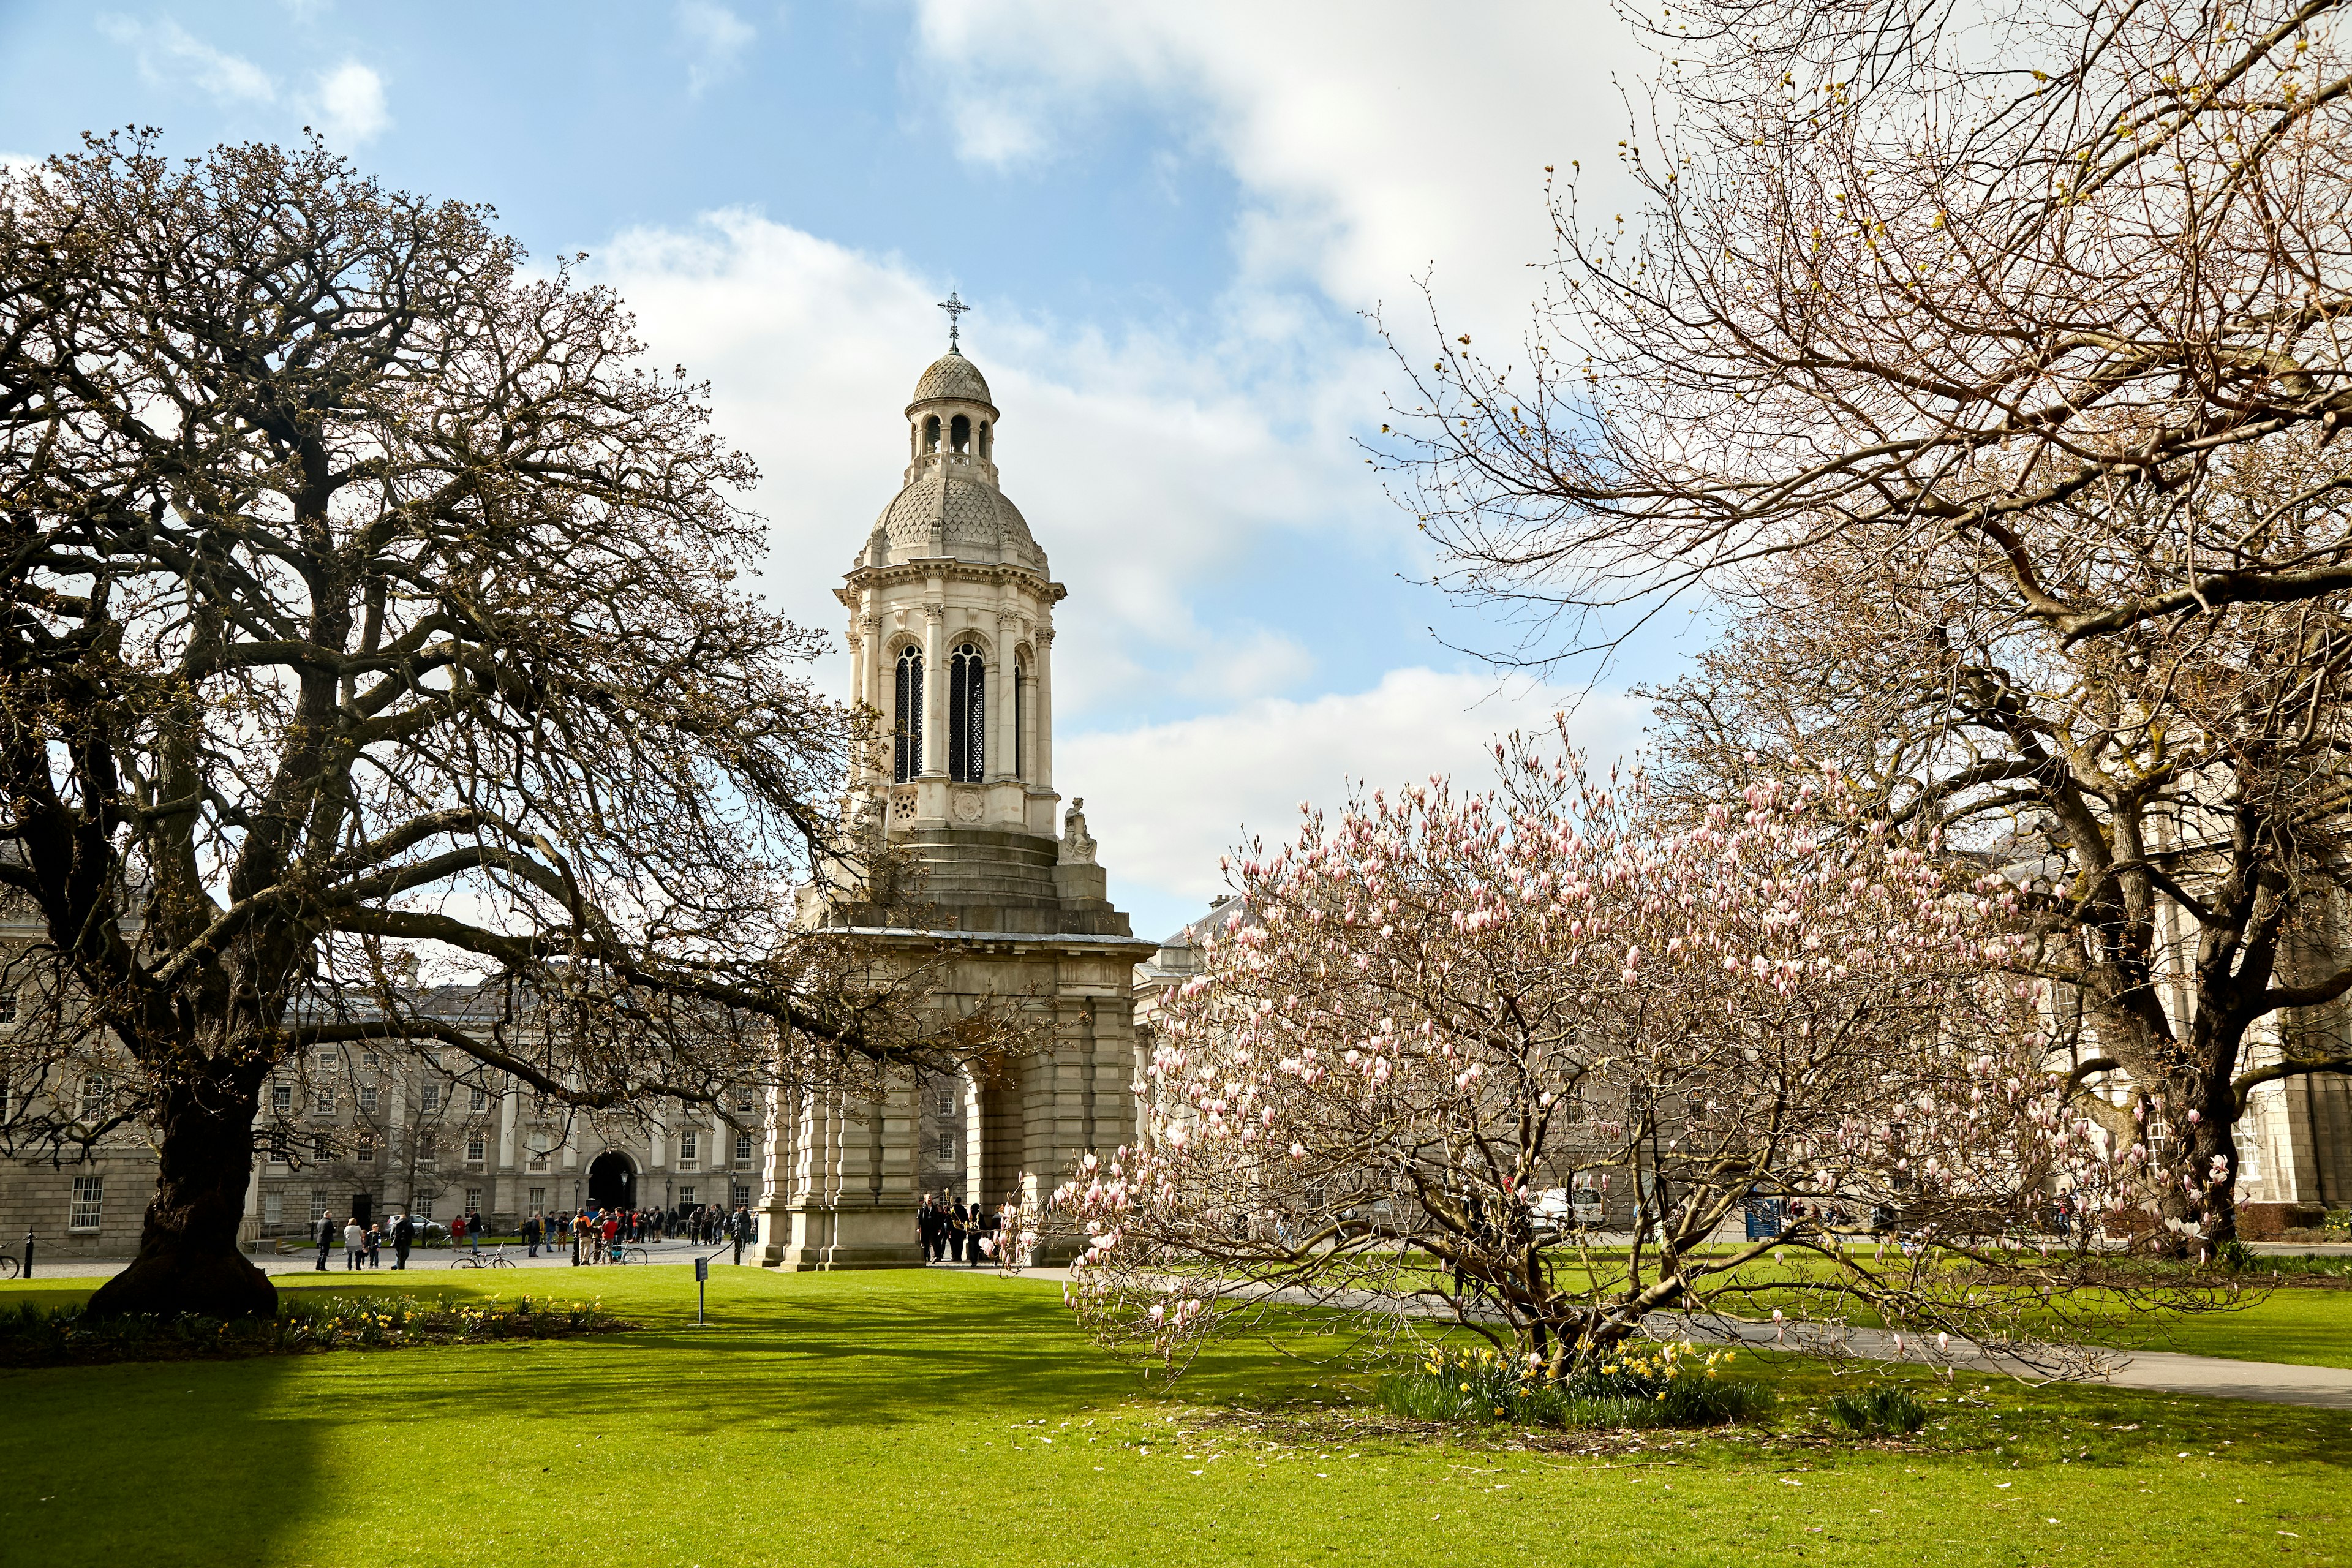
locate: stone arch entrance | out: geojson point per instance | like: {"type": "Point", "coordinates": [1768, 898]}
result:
{"type": "Point", "coordinates": [612, 1181]}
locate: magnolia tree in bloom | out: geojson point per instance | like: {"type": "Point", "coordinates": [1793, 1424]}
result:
{"type": "Point", "coordinates": [1453, 1031]}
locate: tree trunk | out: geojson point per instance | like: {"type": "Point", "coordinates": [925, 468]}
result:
{"type": "Point", "coordinates": [188, 1260]}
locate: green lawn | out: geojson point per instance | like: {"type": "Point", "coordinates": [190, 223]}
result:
{"type": "Point", "coordinates": [912, 1418]}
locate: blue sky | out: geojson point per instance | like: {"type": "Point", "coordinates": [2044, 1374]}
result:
{"type": "Point", "coordinates": [1170, 219]}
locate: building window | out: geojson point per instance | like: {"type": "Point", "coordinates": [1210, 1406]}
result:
{"type": "Point", "coordinates": [420, 1209]}
{"type": "Point", "coordinates": [432, 1100]}
{"type": "Point", "coordinates": [320, 1148]}
{"type": "Point", "coordinates": [690, 1148]}
{"type": "Point", "coordinates": [367, 1101]}
{"type": "Point", "coordinates": [686, 1198]}
{"type": "Point", "coordinates": [907, 732]}
{"type": "Point", "coordinates": [931, 433]}
{"type": "Point", "coordinates": [743, 1195]}
{"type": "Point", "coordinates": [474, 1150]}
{"type": "Point", "coordinates": [959, 433]}
{"type": "Point", "coordinates": [947, 1102]}
{"type": "Point", "coordinates": [367, 1148]}
{"type": "Point", "coordinates": [967, 715]}
{"type": "Point", "coordinates": [322, 1101]}
{"type": "Point", "coordinates": [473, 1199]}
{"type": "Point", "coordinates": [745, 1099]}
{"type": "Point", "coordinates": [367, 1058]}
{"type": "Point", "coordinates": [478, 1099]}
{"type": "Point", "coordinates": [539, 1152]}
{"type": "Point", "coordinates": [742, 1147]}
{"type": "Point", "coordinates": [319, 1202]}
{"type": "Point", "coordinates": [425, 1153]}
{"type": "Point", "coordinates": [1020, 713]}
{"type": "Point", "coordinates": [946, 1146]}
{"type": "Point", "coordinates": [97, 1096]}
{"type": "Point", "coordinates": [279, 1153]}
{"type": "Point", "coordinates": [88, 1201]}
{"type": "Point", "coordinates": [539, 1200]}
{"type": "Point", "coordinates": [273, 1208]}
{"type": "Point", "coordinates": [8, 1005]}
{"type": "Point", "coordinates": [281, 1098]}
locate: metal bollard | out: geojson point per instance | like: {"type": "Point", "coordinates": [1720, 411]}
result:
{"type": "Point", "coordinates": [28, 1255]}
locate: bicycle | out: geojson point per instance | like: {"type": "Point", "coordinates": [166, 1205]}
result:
{"type": "Point", "coordinates": [628, 1252]}
{"type": "Point", "coordinates": [498, 1259]}
{"type": "Point", "coordinates": [8, 1265]}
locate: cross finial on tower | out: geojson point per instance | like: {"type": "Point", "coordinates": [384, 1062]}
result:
{"type": "Point", "coordinates": [955, 308]}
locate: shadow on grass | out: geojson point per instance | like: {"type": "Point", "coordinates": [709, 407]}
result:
{"type": "Point", "coordinates": [92, 1453]}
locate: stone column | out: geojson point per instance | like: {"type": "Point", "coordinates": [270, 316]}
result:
{"type": "Point", "coordinates": [773, 1205]}
{"type": "Point", "coordinates": [852, 1206]}
{"type": "Point", "coordinates": [1001, 743]}
{"type": "Point", "coordinates": [508, 1101]}
{"type": "Point", "coordinates": [1044, 771]}
{"type": "Point", "coordinates": [874, 681]}
{"type": "Point", "coordinates": [935, 691]}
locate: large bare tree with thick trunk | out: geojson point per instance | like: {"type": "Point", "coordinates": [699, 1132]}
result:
{"type": "Point", "coordinates": [371, 614]}
{"type": "Point", "coordinates": [1985, 367]}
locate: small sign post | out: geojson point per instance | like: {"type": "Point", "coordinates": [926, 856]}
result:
{"type": "Point", "coordinates": [701, 1287]}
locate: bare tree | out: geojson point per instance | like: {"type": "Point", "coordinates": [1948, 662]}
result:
{"type": "Point", "coordinates": [1447, 1017]}
{"type": "Point", "coordinates": [1986, 366]}
{"type": "Point", "coordinates": [371, 609]}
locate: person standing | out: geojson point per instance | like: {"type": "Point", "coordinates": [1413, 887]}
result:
{"type": "Point", "coordinates": [959, 1232]}
{"type": "Point", "coordinates": [404, 1237]}
{"type": "Point", "coordinates": [325, 1238]}
{"type": "Point", "coordinates": [457, 1232]}
{"type": "Point", "coordinates": [354, 1244]}
{"type": "Point", "coordinates": [530, 1235]}
{"type": "Point", "coordinates": [376, 1245]}
{"type": "Point", "coordinates": [474, 1229]}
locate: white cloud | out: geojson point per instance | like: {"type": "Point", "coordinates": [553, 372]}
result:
{"type": "Point", "coordinates": [1167, 800]}
{"type": "Point", "coordinates": [1149, 470]}
{"type": "Point", "coordinates": [167, 52]}
{"type": "Point", "coordinates": [714, 39]}
{"type": "Point", "coordinates": [351, 105]}
{"type": "Point", "coordinates": [1367, 147]}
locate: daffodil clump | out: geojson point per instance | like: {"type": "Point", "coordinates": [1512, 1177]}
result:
{"type": "Point", "coordinates": [1670, 1382]}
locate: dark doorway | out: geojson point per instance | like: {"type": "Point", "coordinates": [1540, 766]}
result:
{"type": "Point", "coordinates": [612, 1181]}
{"type": "Point", "coordinates": [363, 1207]}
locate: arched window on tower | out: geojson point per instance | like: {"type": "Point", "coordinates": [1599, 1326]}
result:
{"type": "Point", "coordinates": [967, 715]}
{"type": "Point", "coordinates": [987, 447]}
{"type": "Point", "coordinates": [907, 732]}
{"type": "Point", "coordinates": [959, 433]}
{"type": "Point", "coordinates": [931, 433]}
{"type": "Point", "coordinates": [1019, 720]}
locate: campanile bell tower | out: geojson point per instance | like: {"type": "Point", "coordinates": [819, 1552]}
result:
{"type": "Point", "coordinates": [950, 608]}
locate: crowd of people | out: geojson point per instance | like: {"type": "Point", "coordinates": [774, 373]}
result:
{"type": "Point", "coordinates": [363, 1240]}
{"type": "Point", "coordinates": [949, 1229]}
{"type": "Point", "coordinates": [599, 1231]}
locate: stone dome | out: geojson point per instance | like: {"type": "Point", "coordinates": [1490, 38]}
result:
{"type": "Point", "coordinates": [946, 514]}
{"type": "Point", "coordinates": [952, 375]}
